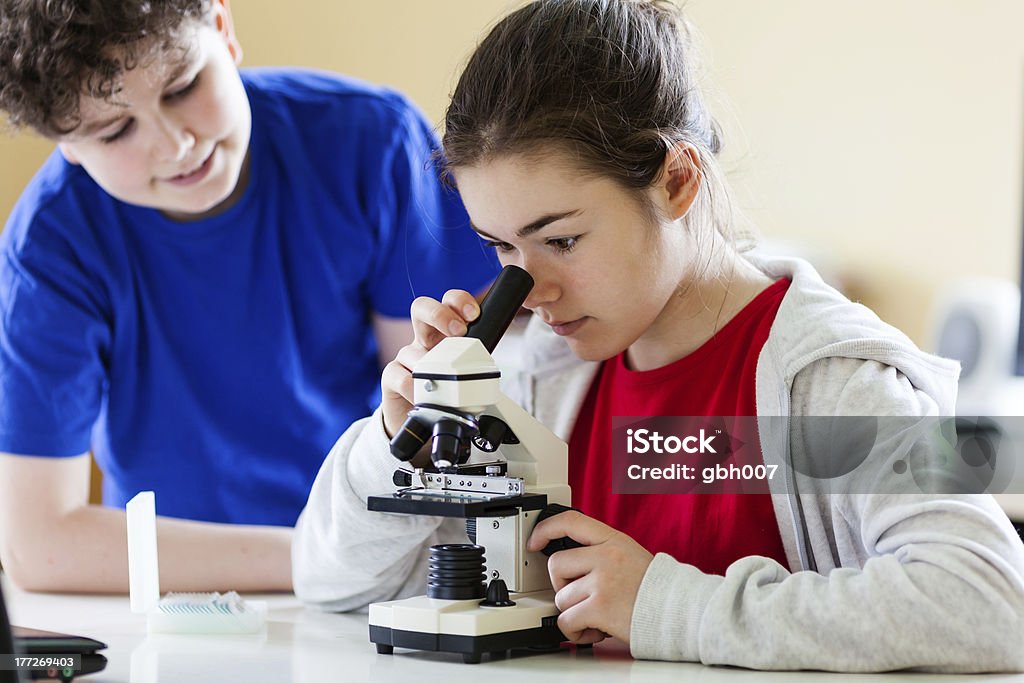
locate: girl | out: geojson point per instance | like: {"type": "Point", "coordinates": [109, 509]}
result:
{"type": "Point", "coordinates": [584, 154]}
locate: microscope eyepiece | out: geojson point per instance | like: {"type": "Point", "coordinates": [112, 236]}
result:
{"type": "Point", "coordinates": [500, 306]}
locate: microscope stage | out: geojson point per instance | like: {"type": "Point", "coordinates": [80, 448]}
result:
{"type": "Point", "coordinates": [456, 505]}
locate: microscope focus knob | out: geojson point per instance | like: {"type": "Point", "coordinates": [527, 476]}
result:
{"type": "Point", "coordinates": [556, 544]}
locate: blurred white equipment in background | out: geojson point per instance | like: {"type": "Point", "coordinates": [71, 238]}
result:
{"type": "Point", "coordinates": [977, 322]}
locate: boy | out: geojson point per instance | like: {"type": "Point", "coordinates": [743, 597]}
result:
{"type": "Point", "coordinates": [198, 287]}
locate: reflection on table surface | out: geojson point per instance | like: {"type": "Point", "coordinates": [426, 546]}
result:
{"type": "Point", "coordinates": [305, 645]}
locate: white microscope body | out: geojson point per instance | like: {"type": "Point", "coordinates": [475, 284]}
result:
{"type": "Point", "coordinates": [458, 403]}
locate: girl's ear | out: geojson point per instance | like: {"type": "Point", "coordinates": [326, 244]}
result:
{"type": "Point", "coordinates": [225, 26]}
{"type": "Point", "coordinates": [680, 179]}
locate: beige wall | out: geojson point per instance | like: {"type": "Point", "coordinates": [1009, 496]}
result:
{"type": "Point", "coordinates": [884, 134]}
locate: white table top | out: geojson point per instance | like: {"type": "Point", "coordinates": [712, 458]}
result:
{"type": "Point", "coordinates": [303, 645]}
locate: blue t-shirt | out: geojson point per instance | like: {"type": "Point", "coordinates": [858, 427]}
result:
{"type": "Point", "coordinates": [217, 361]}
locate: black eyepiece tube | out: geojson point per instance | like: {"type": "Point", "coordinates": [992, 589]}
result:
{"type": "Point", "coordinates": [500, 306]}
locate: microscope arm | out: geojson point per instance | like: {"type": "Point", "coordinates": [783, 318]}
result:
{"type": "Point", "coordinates": [539, 457]}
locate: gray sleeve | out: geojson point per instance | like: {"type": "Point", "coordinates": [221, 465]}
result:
{"type": "Point", "coordinates": [344, 556]}
{"type": "Point", "coordinates": [925, 581]}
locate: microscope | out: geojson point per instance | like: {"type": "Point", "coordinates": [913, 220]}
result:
{"type": "Point", "coordinates": [476, 603]}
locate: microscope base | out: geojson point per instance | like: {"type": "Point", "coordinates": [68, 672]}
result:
{"type": "Point", "coordinates": [464, 627]}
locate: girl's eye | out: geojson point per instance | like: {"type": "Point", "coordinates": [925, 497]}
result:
{"type": "Point", "coordinates": [120, 133]}
{"type": "Point", "coordinates": [183, 92]}
{"type": "Point", "coordinates": [565, 244]}
{"type": "Point", "coordinates": [503, 247]}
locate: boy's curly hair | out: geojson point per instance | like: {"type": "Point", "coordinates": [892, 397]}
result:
{"type": "Point", "coordinates": [54, 51]}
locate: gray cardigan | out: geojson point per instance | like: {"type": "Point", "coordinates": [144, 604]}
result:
{"type": "Point", "coordinates": [876, 581]}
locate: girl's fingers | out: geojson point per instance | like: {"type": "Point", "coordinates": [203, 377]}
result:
{"type": "Point", "coordinates": [433, 320]}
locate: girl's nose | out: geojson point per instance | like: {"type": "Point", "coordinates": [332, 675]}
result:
{"type": "Point", "coordinates": [545, 288]}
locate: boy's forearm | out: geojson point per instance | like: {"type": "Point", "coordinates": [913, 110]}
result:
{"type": "Point", "coordinates": [87, 552]}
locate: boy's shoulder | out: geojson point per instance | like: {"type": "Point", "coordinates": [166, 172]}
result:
{"type": "Point", "coordinates": [58, 191]}
{"type": "Point", "coordinates": [313, 91]}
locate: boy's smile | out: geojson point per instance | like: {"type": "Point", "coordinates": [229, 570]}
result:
{"type": "Point", "coordinates": [194, 175]}
{"type": "Point", "coordinates": [175, 135]}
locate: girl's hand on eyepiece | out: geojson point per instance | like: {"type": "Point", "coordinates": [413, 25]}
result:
{"type": "Point", "coordinates": [432, 321]}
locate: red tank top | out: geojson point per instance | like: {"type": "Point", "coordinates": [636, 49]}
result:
{"type": "Point", "coordinates": [708, 531]}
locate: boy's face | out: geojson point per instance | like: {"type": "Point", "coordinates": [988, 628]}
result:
{"type": "Point", "coordinates": [175, 137]}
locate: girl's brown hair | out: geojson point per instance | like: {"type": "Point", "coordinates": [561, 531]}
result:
{"type": "Point", "coordinates": [611, 82]}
